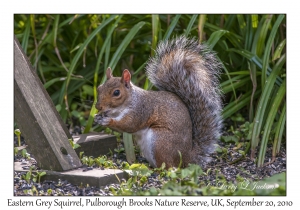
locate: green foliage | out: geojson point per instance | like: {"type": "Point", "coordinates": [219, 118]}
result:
{"type": "Point", "coordinates": [74, 145]}
{"type": "Point", "coordinates": [120, 150]}
{"type": "Point", "coordinates": [186, 181]}
{"type": "Point", "coordinates": [88, 160]}
{"type": "Point", "coordinates": [176, 181]}
{"type": "Point", "coordinates": [129, 148]}
{"type": "Point", "coordinates": [101, 161]}
{"type": "Point", "coordinates": [16, 150]}
{"type": "Point", "coordinates": [33, 175]}
{"type": "Point", "coordinates": [25, 154]}
{"type": "Point", "coordinates": [71, 53]}
{"type": "Point", "coordinates": [18, 133]}
{"type": "Point", "coordinates": [38, 176]}
{"type": "Point", "coordinates": [27, 176]}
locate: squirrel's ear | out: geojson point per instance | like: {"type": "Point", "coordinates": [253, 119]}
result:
{"type": "Point", "coordinates": [108, 73]}
{"type": "Point", "coordinates": [126, 77]}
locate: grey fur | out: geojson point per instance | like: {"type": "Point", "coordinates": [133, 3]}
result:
{"type": "Point", "coordinates": [191, 71]}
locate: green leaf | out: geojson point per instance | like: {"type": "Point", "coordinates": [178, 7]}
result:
{"type": "Point", "coordinates": [155, 30]}
{"type": "Point", "coordinates": [56, 21]}
{"type": "Point", "coordinates": [190, 25]}
{"type": "Point", "coordinates": [171, 27]}
{"type": "Point", "coordinates": [278, 50]}
{"type": "Point", "coordinates": [129, 148]}
{"type": "Point", "coordinates": [229, 139]}
{"type": "Point", "coordinates": [201, 23]}
{"type": "Point", "coordinates": [88, 90]}
{"type": "Point", "coordinates": [215, 37]}
{"type": "Point", "coordinates": [236, 84]}
{"type": "Point", "coordinates": [269, 122]}
{"type": "Point", "coordinates": [219, 149]}
{"type": "Point", "coordinates": [135, 166]}
{"type": "Point", "coordinates": [28, 176]}
{"type": "Point", "coordinates": [80, 51]}
{"type": "Point", "coordinates": [261, 108]}
{"type": "Point", "coordinates": [105, 46]}
{"type": "Point", "coordinates": [279, 131]}
{"type": "Point", "coordinates": [234, 38]}
{"type": "Point", "coordinates": [257, 61]}
{"type": "Point", "coordinates": [25, 38]}
{"type": "Point", "coordinates": [76, 146]}
{"type": "Point", "coordinates": [262, 34]}
{"type": "Point", "coordinates": [43, 173]}
{"type": "Point", "coordinates": [16, 150]}
{"type": "Point", "coordinates": [267, 49]}
{"type": "Point", "coordinates": [76, 48]}
{"type": "Point", "coordinates": [52, 81]}
{"type": "Point", "coordinates": [24, 152]}
{"type": "Point", "coordinates": [238, 118]}
{"type": "Point", "coordinates": [123, 45]}
{"type": "Point", "coordinates": [18, 132]}
{"type": "Point", "coordinates": [58, 107]}
{"type": "Point", "coordinates": [242, 23]}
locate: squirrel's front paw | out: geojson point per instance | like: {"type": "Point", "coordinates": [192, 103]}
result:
{"type": "Point", "coordinates": [102, 120]}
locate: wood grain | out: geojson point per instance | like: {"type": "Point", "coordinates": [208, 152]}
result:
{"type": "Point", "coordinates": [38, 120]}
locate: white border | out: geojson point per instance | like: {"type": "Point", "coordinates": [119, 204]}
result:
{"type": "Point", "coordinates": [8, 8]}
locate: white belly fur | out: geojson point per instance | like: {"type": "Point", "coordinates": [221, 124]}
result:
{"type": "Point", "coordinates": [145, 141]}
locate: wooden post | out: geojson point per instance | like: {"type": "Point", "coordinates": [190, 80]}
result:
{"type": "Point", "coordinates": [95, 144]}
{"type": "Point", "coordinates": [38, 120]}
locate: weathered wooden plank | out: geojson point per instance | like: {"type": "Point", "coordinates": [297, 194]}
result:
{"type": "Point", "coordinates": [95, 177]}
{"type": "Point", "coordinates": [38, 119]}
{"type": "Point", "coordinates": [95, 144]}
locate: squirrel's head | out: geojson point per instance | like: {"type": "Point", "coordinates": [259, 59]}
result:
{"type": "Point", "coordinates": [113, 94]}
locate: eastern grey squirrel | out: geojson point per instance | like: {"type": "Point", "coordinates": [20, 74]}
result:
{"type": "Point", "coordinates": [183, 116]}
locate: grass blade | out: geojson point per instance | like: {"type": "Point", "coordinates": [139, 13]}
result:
{"type": "Point", "coordinates": [279, 132]}
{"type": "Point", "coordinates": [201, 23]}
{"type": "Point", "coordinates": [113, 63]}
{"type": "Point", "coordinates": [229, 22]}
{"type": "Point", "coordinates": [155, 30]}
{"type": "Point", "coordinates": [269, 122]}
{"type": "Point", "coordinates": [104, 47]}
{"type": "Point", "coordinates": [262, 34]}
{"type": "Point", "coordinates": [190, 25]}
{"type": "Point", "coordinates": [267, 50]}
{"type": "Point", "coordinates": [256, 60]}
{"type": "Point", "coordinates": [25, 38]}
{"type": "Point", "coordinates": [242, 23]}
{"type": "Point", "coordinates": [129, 148]}
{"type": "Point", "coordinates": [234, 38]}
{"type": "Point", "coordinates": [249, 33]}
{"type": "Point", "coordinates": [52, 81]}
{"type": "Point", "coordinates": [236, 84]}
{"type": "Point", "coordinates": [252, 68]}
{"type": "Point", "coordinates": [278, 50]}
{"type": "Point", "coordinates": [260, 112]}
{"type": "Point", "coordinates": [171, 27]}
{"type": "Point", "coordinates": [215, 37]}
{"type": "Point", "coordinates": [80, 51]}
{"type": "Point", "coordinates": [238, 104]}
{"type": "Point", "coordinates": [123, 45]}
{"type": "Point", "coordinates": [155, 33]}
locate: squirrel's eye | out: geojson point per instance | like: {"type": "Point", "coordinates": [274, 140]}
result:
{"type": "Point", "coordinates": [116, 93]}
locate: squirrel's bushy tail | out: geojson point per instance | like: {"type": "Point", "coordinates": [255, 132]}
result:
{"type": "Point", "coordinates": [191, 71]}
